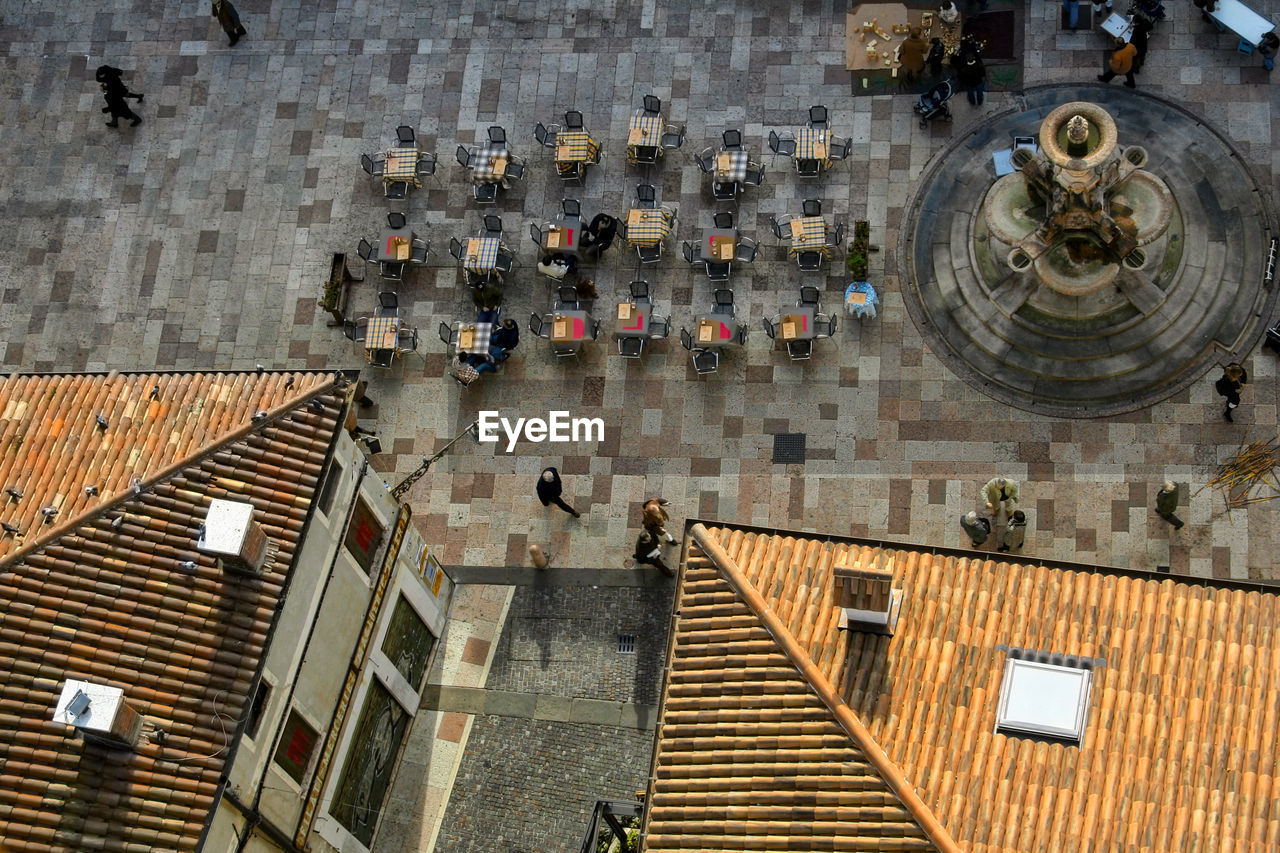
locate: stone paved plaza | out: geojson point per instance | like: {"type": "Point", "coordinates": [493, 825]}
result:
{"type": "Point", "coordinates": [202, 239]}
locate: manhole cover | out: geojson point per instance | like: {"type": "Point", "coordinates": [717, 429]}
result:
{"type": "Point", "coordinates": [627, 644]}
{"type": "Point", "coordinates": [788, 448]}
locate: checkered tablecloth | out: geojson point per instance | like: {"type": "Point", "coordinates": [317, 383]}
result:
{"type": "Point", "coordinates": [645, 130]}
{"type": "Point", "coordinates": [478, 343]}
{"type": "Point", "coordinates": [489, 165]}
{"type": "Point", "coordinates": [576, 146]}
{"type": "Point", "coordinates": [731, 166]}
{"type": "Point", "coordinates": [402, 165]}
{"type": "Point", "coordinates": [813, 144]}
{"type": "Point", "coordinates": [647, 227]}
{"type": "Point", "coordinates": [808, 232]}
{"type": "Point", "coordinates": [381, 334]}
{"type": "Point", "coordinates": [480, 254]}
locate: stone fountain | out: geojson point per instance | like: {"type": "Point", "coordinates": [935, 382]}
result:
{"type": "Point", "coordinates": [1095, 278]}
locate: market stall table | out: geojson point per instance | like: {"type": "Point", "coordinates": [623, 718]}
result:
{"type": "Point", "coordinates": [633, 319]}
{"type": "Point", "coordinates": [473, 338]}
{"type": "Point", "coordinates": [718, 246]}
{"type": "Point", "coordinates": [796, 324]}
{"type": "Point", "coordinates": [710, 330]}
{"type": "Point", "coordinates": [489, 166]}
{"type": "Point", "coordinates": [647, 226]}
{"type": "Point", "coordinates": [402, 165]}
{"type": "Point", "coordinates": [395, 245]}
{"type": "Point", "coordinates": [1241, 20]}
{"type": "Point", "coordinates": [892, 23]}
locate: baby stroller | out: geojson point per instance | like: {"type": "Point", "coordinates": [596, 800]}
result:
{"type": "Point", "coordinates": [933, 103]}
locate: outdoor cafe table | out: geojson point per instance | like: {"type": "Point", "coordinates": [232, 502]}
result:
{"type": "Point", "coordinates": [1241, 20]}
{"type": "Point", "coordinates": [813, 143]}
{"type": "Point", "coordinates": [645, 131]}
{"type": "Point", "coordinates": [473, 338]}
{"type": "Point", "coordinates": [489, 166]}
{"type": "Point", "coordinates": [633, 319]}
{"type": "Point", "coordinates": [480, 254]}
{"type": "Point", "coordinates": [575, 146]}
{"type": "Point", "coordinates": [808, 233]}
{"type": "Point", "coordinates": [402, 165]}
{"type": "Point", "coordinates": [731, 166]}
{"type": "Point", "coordinates": [710, 330]}
{"type": "Point", "coordinates": [796, 323]}
{"type": "Point", "coordinates": [382, 334]}
{"type": "Point", "coordinates": [570, 327]}
{"type": "Point", "coordinates": [561, 239]}
{"type": "Point", "coordinates": [395, 246]}
{"type": "Point", "coordinates": [718, 245]}
{"type": "Point", "coordinates": [647, 226]}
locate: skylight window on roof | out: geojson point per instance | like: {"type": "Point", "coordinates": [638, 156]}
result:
{"type": "Point", "coordinates": [1044, 699]}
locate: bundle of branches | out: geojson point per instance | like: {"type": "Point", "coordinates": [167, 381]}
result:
{"type": "Point", "coordinates": [1243, 477]}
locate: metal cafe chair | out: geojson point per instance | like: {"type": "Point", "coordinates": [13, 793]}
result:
{"type": "Point", "coordinates": [824, 326]}
{"type": "Point", "coordinates": [659, 327]}
{"type": "Point", "coordinates": [365, 250]}
{"type": "Point", "coordinates": [723, 306]}
{"type": "Point", "coordinates": [448, 334]}
{"type": "Point", "coordinates": [455, 247]}
{"type": "Point", "coordinates": [463, 156]}
{"type": "Point", "coordinates": [388, 303]}
{"type": "Point", "coordinates": [497, 137]}
{"type": "Point", "coordinates": [349, 329]}
{"type": "Point", "coordinates": [391, 270]}
{"type": "Point", "coordinates": [687, 248]}
{"type": "Point", "coordinates": [807, 168]}
{"type": "Point", "coordinates": [818, 117]}
{"type": "Point", "coordinates": [784, 143]}
{"type": "Point", "coordinates": [397, 190]}
{"type": "Point", "coordinates": [811, 207]}
{"type": "Point", "coordinates": [649, 254]}
{"type": "Point", "coordinates": [808, 295]}
{"type": "Point", "coordinates": [732, 139]}
{"type": "Point", "coordinates": [706, 361]}
{"type": "Point", "coordinates": [407, 340]}
{"type": "Point", "coordinates": [727, 191]}
{"type": "Point", "coordinates": [540, 324]}
{"type": "Point", "coordinates": [405, 135]}
{"type": "Point", "coordinates": [485, 193]}
{"type": "Point", "coordinates": [781, 227]}
{"type": "Point", "coordinates": [395, 219]}
{"type": "Point", "coordinates": [426, 165]}
{"type": "Point", "coordinates": [770, 327]}
{"type": "Point", "coordinates": [419, 253]}
{"type": "Point", "coordinates": [809, 261]}
{"type": "Point", "coordinates": [652, 105]}
{"type": "Point", "coordinates": [566, 298]}
{"type": "Point", "coordinates": [754, 176]}
{"type": "Point", "coordinates": [630, 347]}
{"type": "Point", "coordinates": [372, 166]}
{"type": "Point", "coordinates": [492, 226]}
{"type": "Point", "coordinates": [718, 271]}
{"type": "Point", "coordinates": [646, 196]}
{"type": "Point", "coordinates": [514, 170]}
{"type": "Point", "coordinates": [746, 250]}
{"type": "Point", "coordinates": [571, 208]}
{"type": "Point", "coordinates": [546, 136]}
{"type": "Point", "coordinates": [837, 236]}
{"type": "Point", "coordinates": [535, 234]}
{"type": "Point", "coordinates": [723, 219]}
{"type": "Point", "coordinates": [706, 160]}
{"type": "Point", "coordinates": [672, 137]}
{"type": "Point", "coordinates": [839, 149]}
{"type": "Point", "coordinates": [639, 290]}
{"type": "Point", "coordinates": [800, 350]}
{"type": "Point", "coordinates": [383, 358]}
{"type": "Point", "coordinates": [573, 120]}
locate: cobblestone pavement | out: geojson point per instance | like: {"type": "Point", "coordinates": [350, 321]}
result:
{"type": "Point", "coordinates": [201, 239]}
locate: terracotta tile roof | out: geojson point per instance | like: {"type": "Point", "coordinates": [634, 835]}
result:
{"type": "Point", "coordinates": [115, 606]}
{"type": "Point", "coordinates": [1179, 751]}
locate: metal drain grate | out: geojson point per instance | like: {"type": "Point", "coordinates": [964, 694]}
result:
{"type": "Point", "coordinates": [626, 644]}
{"type": "Point", "coordinates": [788, 448]}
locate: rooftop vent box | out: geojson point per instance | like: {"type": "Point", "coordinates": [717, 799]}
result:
{"type": "Point", "coordinates": [867, 599]}
{"type": "Point", "coordinates": [231, 534]}
{"type": "Point", "coordinates": [100, 712]}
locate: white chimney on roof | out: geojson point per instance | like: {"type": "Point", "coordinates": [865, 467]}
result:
{"type": "Point", "coordinates": [231, 534]}
{"type": "Point", "coordinates": [100, 712]}
{"type": "Point", "coordinates": [869, 602]}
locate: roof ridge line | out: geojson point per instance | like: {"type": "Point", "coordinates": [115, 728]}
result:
{"type": "Point", "coordinates": [853, 727]}
{"type": "Point", "coordinates": [238, 434]}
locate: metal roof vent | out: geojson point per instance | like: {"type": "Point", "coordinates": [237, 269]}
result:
{"type": "Point", "coordinates": [869, 602]}
{"type": "Point", "coordinates": [230, 533]}
{"type": "Point", "coordinates": [99, 712]}
{"type": "Point", "coordinates": [1044, 699]}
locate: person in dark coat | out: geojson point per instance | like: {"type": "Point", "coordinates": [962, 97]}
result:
{"type": "Point", "coordinates": [599, 235]}
{"type": "Point", "coordinates": [1015, 531]}
{"type": "Point", "coordinates": [1229, 384]}
{"type": "Point", "coordinates": [111, 83]}
{"type": "Point", "coordinates": [229, 19]}
{"type": "Point", "coordinates": [976, 526]}
{"type": "Point", "coordinates": [649, 552]}
{"type": "Point", "coordinates": [505, 338]}
{"type": "Point", "coordinates": [971, 73]}
{"type": "Point", "coordinates": [549, 490]}
{"type": "Point", "coordinates": [1141, 33]}
{"type": "Point", "coordinates": [937, 53]}
{"type": "Point", "coordinates": [119, 109]}
{"type": "Point", "coordinates": [1167, 503]}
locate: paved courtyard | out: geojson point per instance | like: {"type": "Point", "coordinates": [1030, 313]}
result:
{"type": "Point", "coordinates": [202, 239]}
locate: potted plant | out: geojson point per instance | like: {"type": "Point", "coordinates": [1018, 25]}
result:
{"type": "Point", "coordinates": [859, 248]}
{"type": "Point", "coordinates": [333, 298]}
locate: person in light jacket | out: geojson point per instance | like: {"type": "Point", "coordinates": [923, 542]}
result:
{"type": "Point", "coordinates": [1000, 493]}
{"type": "Point", "coordinates": [976, 526]}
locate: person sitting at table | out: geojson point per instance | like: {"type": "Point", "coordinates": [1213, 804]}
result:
{"type": "Point", "coordinates": [559, 265]}
{"type": "Point", "coordinates": [505, 338]}
{"type": "Point", "coordinates": [599, 235]}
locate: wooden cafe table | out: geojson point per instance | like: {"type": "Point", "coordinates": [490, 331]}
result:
{"type": "Point", "coordinates": [796, 323]}
{"type": "Point", "coordinates": [633, 319]}
{"type": "Point", "coordinates": [718, 245]}
{"type": "Point", "coordinates": [395, 246]}
{"type": "Point", "coordinates": [711, 330]}
{"type": "Point", "coordinates": [402, 165]}
{"type": "Point", "coordinates": [570, 327]}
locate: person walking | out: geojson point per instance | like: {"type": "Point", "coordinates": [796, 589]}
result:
{"type": "Point", "coordinates": [1000, 493]}
{"type": "Point", "coordinates": [1141, 35]}
{"type": "Point", "coordinates": [1015, 532]}
{"type": "Point", "coordinates": [550, 488]}
{"type": "Point", "coordinates": [654, 517]}
{"type": "Point", "coordinates": [110, 80]}
{"type": "Point", "coordinates": [1233, 378]}
{"type": "Point", "coordinates": [649, 552]}
{"type": "Point", "coordinates": [976, 526]}
{"type": "Point", "coordinates": [229, 19]}
{"type": "Point", "coordinates": [1167, 502]}
{"type": "Point", "coordinates": [1121, 62]}
{"type": "Point", "coordinates": [119, 109]}
{"type": "Point", "coordinates": [971, 73]}
{"type": "Point", "coordinates": [1267, 47]}
{"type": "Point", "coordinates": [599, 235]}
